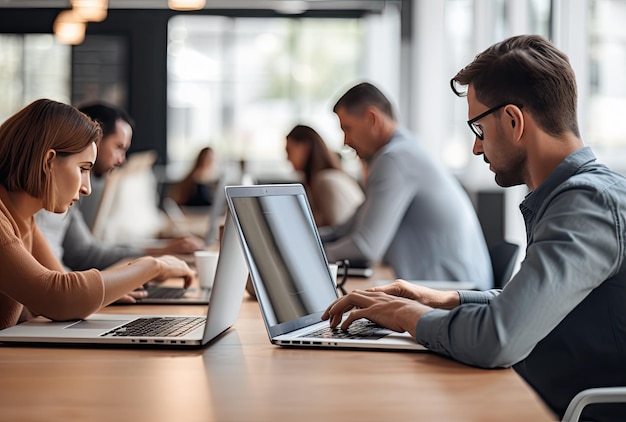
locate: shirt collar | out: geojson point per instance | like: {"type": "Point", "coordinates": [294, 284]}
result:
{"type": "Point", "coordinates": [568, 167]}
{"type": "Point", "coordinates": [398, 134]}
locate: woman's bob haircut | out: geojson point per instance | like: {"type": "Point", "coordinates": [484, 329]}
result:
{"type": "Point", "coordinates": [28, 135]}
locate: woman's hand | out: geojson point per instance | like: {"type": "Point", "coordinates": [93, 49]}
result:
{"type": "Point", "coordinates": [172, 267]}
{"type": "Point", "coordinates": [121, 280]}
{"type": "Point", "coordinates": [132, 297]}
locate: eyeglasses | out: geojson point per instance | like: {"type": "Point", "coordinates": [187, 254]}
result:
{"type": "Point", "coordinates": [477, 129]}
{"type": "Point", "coordinates": [345, 266]}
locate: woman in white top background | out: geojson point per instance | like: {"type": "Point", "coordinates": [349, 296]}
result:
{"type": "Point", "coordinates": [333, 194]}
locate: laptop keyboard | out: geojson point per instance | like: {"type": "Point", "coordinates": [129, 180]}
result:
{"type": "Point", "coordinates": [160, 292]}
{"type": "Point", "coordinates": [157, 327]}
{"type": "Point", "coordinates": [358, 329]}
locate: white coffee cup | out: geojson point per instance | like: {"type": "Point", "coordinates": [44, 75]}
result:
{"type": "Point", "coordinates": [206, 264]}
{"type": "Point", "coordinates": [333, 271]}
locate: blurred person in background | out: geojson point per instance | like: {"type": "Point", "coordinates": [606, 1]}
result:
{"type": "Point", "coordinates": [333, 194]}
{"type": "Point", "coordinates": [196, 188]}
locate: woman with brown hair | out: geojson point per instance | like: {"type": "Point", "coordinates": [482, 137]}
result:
{"type": "Point", "coordinates": [47, 151]}
{"type": "Point", "coordinates": [333, 194]}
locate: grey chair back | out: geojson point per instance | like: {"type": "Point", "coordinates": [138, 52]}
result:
{"type": "Point", "coordinates": [503, 256]}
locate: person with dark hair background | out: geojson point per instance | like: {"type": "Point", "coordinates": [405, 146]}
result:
{"type": "Point", "coordinates": [333, 194]}
{"type": "Point", "coordinates": [196, 188]}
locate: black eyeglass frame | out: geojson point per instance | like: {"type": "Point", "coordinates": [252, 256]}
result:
{"type": "Point", "coordinates": [471, 122]}
{"type": "Point", "coordinates": [345, 266]}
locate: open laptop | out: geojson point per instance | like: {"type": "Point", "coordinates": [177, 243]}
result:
{"type": "Point", "coordinates": [116, 329]}
{"type": "Point", "coordinates": [290, 273]}
{"type": "Point", "coordinates": [166, 295]}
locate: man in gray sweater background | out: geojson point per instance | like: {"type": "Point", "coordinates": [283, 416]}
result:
{"type": "Point", "coordinates": [416, 216]}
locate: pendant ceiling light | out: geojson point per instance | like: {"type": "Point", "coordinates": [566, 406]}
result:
{"type": "Point", "coordinates": [91, 10]}
{"type": "Point", "coordinates": [69, 28]}
{"type": "Point", "coordinates": [186, 5]}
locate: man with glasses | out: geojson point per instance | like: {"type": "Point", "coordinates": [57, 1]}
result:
{"type": "Point", "coordinates": [560, 321]}
{"type": "Point", "coordinates": [416, 216]}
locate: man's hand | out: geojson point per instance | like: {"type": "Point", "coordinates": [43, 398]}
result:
{"type": "Point", "coordinates": [424, 295]}
{"type": "Point", "coordinates": [179, 246]}
{"type": "Point", "coordinates": [395, 313]}
{"type": "Point", "coordinates": [397, 306]}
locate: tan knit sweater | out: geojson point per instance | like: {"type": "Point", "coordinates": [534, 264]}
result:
{"type": "Point", "coordinates": [32, 277]}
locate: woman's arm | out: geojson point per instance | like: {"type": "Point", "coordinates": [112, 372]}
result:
{"type": "Point", "coordinates": [120, 280]}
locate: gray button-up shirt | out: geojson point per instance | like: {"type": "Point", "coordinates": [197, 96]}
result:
{"type": "Point", "coordinates": [561, 320]}
{"type": "Point", "coordinates": [416, 217]}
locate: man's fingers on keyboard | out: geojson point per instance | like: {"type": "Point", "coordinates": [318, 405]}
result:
{"type": "Point", "coordinates": [352, 316]}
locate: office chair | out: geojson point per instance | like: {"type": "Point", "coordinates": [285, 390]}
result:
{"type": "Point", "coordinates": [503, 256]}
{"type": "Point", "coordinates": [590, 396]}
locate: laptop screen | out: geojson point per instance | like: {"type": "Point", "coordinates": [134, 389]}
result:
{"type": "Point", "coordinates": [286, 257]}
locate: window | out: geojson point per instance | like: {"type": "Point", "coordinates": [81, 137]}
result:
{"type": "Point", "coordinates": [240, 84]}
{"type": "Point", "coordinates": [469, 27]}
{"type": "Point", "coordinates": [607, 86]}
{"type": "Point", "coordinates": [32, 66]}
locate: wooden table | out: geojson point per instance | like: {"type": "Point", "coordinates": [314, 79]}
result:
{"type": "Point", "coordinates": [242, 377]}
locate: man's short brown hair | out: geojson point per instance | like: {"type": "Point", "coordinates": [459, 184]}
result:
{"type": "Point", "coordinates": [527, 70]}
{"type": "Point", "coordinates": [358, 98]}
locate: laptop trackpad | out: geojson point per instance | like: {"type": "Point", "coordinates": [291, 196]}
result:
{"type": "Point", "coordinates": [97, 324]}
